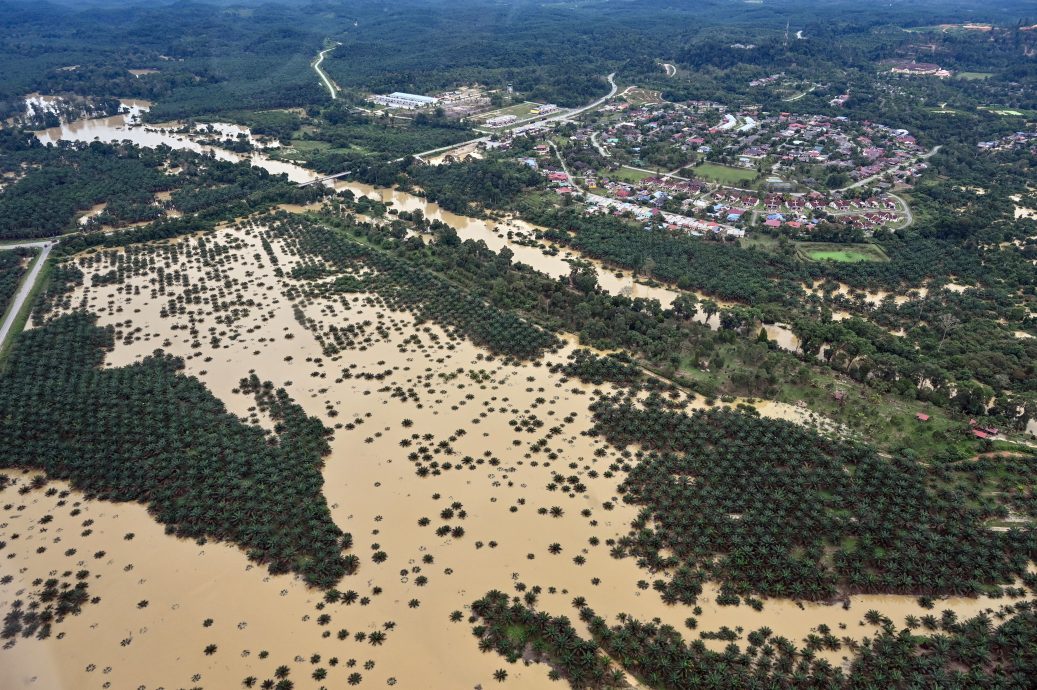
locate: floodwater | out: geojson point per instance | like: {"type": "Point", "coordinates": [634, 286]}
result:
{"type": "Point", "coordinates": [494, 234]}
{"type": "Point", "coordinates": [374, 493]}
{"type": "Point", "coordinates": [874, 297]}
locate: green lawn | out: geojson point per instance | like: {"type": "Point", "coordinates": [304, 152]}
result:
{"type": "Point", "coordinates": [626, 174]}
{"type": "Point", "coordinates": [1007, 112]}
{"type": "Point", "coordinates": [303, 149]}
{"type": "Point", "coordinates": [851, 253]}
{"type": "Point", "coordinates": [519, 110]}
{"type": "Point", "coordinates": [723, 174]}
{"type": "Point", "coordinates": [974, 75]}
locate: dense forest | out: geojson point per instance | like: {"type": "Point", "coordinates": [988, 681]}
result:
{"type": "Point", "coordinates": [219, 57]}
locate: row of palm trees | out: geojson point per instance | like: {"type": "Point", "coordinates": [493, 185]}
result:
{"type": "Point", "coordinates": [972, 653]}
{"type": "Point", "coordinates": [766, 506]}
{"type": "Point", "coordinates": [405, 285]}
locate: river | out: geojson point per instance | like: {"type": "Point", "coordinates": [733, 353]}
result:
{"type": "Point", "coordinates": [127, 127]}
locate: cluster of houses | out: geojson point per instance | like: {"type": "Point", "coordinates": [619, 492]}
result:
{"type": "Point", "coordinates": [698, 207]}
{"type": "Point", "coordinates": [753, 140]}
{"type": "Point", "coordinates": [696, 227]}
{"type": "Point", "coordinates": [1018, 140]}
{"type": "Point", "coordinates": [764, 81]}
{"type": "Point", "coordinates": [734, 206]}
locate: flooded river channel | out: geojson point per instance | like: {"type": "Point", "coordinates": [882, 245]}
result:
{"type": "Point", "coordinates": [127, 127]}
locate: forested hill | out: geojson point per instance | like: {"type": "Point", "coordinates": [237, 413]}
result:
{"type": "Point", "coordinates": [215, 56]}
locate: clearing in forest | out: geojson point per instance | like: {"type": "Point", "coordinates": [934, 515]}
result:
{"type": "Point", "coordinates": [850, 253]}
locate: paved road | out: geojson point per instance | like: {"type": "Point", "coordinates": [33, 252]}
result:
{"type": "Point", "coordinates": [320, 72]}
{"type": "Point", "coordinates": [27, 285]}
{"type": "Point", "coordinates": [561, 117]}
{"type": "Point", "coordinates": [866, 180]}
{"type": "Point", "coordinates": [565, 169]}
{"type": "Point", "coordinates": [909, 217]}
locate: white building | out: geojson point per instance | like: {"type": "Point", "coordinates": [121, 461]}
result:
{"type": "Point", "coordinates": [500, 121]}
{"type": "Point", "coordinates": [407, 101]}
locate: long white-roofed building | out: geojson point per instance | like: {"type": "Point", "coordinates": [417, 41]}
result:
{"type": "Point", "coordinates": [408, 101]}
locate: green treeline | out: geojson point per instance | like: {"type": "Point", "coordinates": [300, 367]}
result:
{"type": "Point", "coordinates": [149, 434]}
{"type": "Point", "coordinates": [941, 652]}
{"type": "Point", "coordinates": [63, 182]}
{"type": "Point", "coordinates": [478, 184]}
{"type": "Point", "coordinates": [406, 285]}
{"type": "Point", "coordinates": [11, 272]}
{"type": "Point", "coordinates": [607, 321]}
{"type": "Point", "coordinates": [720, 269]}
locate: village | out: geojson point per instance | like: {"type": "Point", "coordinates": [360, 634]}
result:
{"type": "Point", "coordinates": [1016, 140]}
{"type": "Point", "coordinates": [701, 168]}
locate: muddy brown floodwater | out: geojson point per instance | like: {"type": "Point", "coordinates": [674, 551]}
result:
{"type": "Point", "coordinates": [495, 234]}
{"type": "Point", "coordinates": [457, 396]}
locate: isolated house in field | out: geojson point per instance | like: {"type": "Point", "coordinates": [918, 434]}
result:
{"type": "Point", "coordinates": [922, 417]}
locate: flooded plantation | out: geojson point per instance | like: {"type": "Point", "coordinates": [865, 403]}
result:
{"type": "Point", "coordinates": [443, 467]}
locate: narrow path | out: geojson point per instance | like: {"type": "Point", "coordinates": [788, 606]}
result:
{"type": "Point", "coordinates": [565, 169]}
{"type": "Point", "coordinates": [27, 285]}
{"type": "Point", "coordinates": [320, 73]}
{"type": "Point", "coordinates": [801, 95]}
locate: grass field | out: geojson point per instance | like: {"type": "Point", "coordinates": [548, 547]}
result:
{"type": "Point", "coordinates": [1008, 112]}
{"type": "Point", "coordinates": [303, 149]}
{"type": "Point", "coordinates": [849, 253]}
{"type": "Point", "coordinates": [638, 96]}
{"type": "Point", "coordinates": [970, 76]}
{"type": "Point", "coordinates": [723, 174]}
{"type": "Point", "coordinates": [519, 110]}
{"type": "Point", "coordinates": [626, 174]}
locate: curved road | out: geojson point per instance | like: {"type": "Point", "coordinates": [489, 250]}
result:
{"type": "Point", "coordinates": [561, 117]}
{"type": "Point", "coordinates": [909, 217]}
{"type": "Point", "coordinates": [320, 73]}
{"type": "Point", "coordinates": [27, 285]}
{"type": "Point", "coordinates": [925, 156]}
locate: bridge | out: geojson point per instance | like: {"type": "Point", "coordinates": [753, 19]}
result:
{"type": "Point", "coordinates": [322, 180]}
